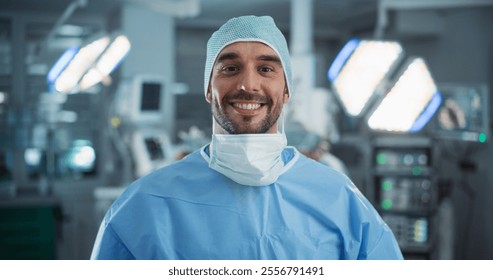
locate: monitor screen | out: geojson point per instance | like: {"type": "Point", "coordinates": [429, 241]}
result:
{"type": "Point", "coordinates": [153, 145]}
{"type": "Point", "coordinates": [150, 149]}
{"type": "Point", "coordinates": [151, 96]}
{"type": "Point", "coordinates": [145, 99]}
{"type": "Point", "coordinates": [463, 114]}
{"type": "Point", "coordinates": [5, 170]}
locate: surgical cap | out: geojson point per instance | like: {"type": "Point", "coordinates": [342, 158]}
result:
{"type": "Point", "coordinates": [248, 29]}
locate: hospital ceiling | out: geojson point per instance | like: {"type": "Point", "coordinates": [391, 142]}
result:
{"type": "Point", "coordinates": [331, 17]}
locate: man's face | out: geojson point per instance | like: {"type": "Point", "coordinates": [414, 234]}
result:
{"type": "Point", "coordinates": [247, 89]}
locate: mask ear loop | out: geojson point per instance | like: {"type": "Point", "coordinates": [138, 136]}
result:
{"type": "Point", "coordinates": [211, 145]}
{"type": "Point", "coordinates": [281, 123]}
{"type": "Point", "coordinates": [213, 126]}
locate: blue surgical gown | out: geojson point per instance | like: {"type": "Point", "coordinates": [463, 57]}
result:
{"type": "Point", "coordinates": [190, 211]}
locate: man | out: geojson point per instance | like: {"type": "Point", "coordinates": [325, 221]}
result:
{"type": "Point", "coordinates": [246, 195]}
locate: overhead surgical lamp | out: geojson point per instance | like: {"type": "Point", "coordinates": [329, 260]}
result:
{"type": "Point", "coordinates": [81, 68]}
{"type": "Point", "coordinates": [359, 70]}
{"type": "Point", "coordinates": [410, 103]}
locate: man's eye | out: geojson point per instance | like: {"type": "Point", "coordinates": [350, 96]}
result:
{"type": "Point", "coordinates": [266, 69]}
{"type": "Point", "coordinates": [230, 68]}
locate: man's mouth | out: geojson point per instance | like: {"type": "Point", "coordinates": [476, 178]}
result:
{"type": "Point", "coordinates": [247, 106]}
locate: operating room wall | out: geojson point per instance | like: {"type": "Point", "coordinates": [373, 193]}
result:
{"type": "Point", "coordinates": [463, 53]}
{"type": "Point", "coordinates": [192, 110]}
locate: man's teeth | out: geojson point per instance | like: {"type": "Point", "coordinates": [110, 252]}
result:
{"type": "Point", "coordinates": [247, 106]}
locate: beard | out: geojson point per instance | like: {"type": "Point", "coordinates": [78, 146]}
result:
{"type": "Point", "coordinates": [246, 125]}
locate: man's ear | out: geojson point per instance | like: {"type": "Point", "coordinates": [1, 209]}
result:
{"type": "Point", "coordinates": [286, 95]}
{"type": "Point", "coordinates": [208, 95]}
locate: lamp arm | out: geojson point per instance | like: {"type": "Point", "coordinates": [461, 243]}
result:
{"type": "Point", "coordinates": [61, 20]}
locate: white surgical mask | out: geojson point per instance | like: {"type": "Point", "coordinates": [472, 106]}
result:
{"type": "Point", "coordinates": [248, 159]}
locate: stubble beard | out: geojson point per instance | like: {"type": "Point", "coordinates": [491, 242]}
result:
{"type": "Point", "coordinates": [246, 125]}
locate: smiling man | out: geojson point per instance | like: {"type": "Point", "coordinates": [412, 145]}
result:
{"type": "Point", "coordinates": [247, 89]}
{"type": "Point", "coordinates": [246, 195]}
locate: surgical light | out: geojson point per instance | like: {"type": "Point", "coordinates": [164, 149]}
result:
{"type": "Point", "coordinates": [108, 61]}
{"type": "Point", "coordinates": [79, 69]}
{"type": "Point", "coordinates": [61, 63]}
{"type": "Point", "coordinates": [80, 64]}
{"type": "Point", "coordinates": [410, 103]}
{"type": "Point", "coordinates": [359, 69]}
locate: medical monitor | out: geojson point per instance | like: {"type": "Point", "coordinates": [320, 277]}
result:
{"type": "Point", "coordinates": [150, 148]}
{"type": "Point", "coordinates": [6, 179]}
{"type": "Point", "coordinates": [463, 114]}
{"type": "Point", "coordinates": [150, 97]}
{"type": "Point", "coordinates": [148, 92]}
{"type": "Point", "coordinates": [143, 100]}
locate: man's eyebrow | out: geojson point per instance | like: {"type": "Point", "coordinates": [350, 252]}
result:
{"type": "Point", "coordinates": [270, 57]}
{"type": "Point", "coordinates": [264, 57]}
{"type": "Point", "coordinates": [227, 56]}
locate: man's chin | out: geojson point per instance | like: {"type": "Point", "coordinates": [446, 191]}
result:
{"type": "Point", "coordinates": [243, 126]}
{"type": "Point", "coordinates": [246, 131]}
{"type": "Point", "coordinates": [241, 129]}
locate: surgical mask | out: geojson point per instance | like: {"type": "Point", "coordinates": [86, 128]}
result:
{"type": "Point", "coordinates": [248, 159]}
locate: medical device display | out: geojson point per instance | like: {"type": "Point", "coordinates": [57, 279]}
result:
{"type": "Point", "coordinates": [405, 191]}
{"type": "Point", "coordinates": [463, 114]}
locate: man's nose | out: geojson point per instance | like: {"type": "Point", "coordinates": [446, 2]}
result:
{"type": "Point", "coordinates": [249, 81]}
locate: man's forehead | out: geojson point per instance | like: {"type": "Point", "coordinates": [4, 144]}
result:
{"type": "Point", "coordinates": [238, 50]}
{"type": "Point", "coordinates": [242, 47]}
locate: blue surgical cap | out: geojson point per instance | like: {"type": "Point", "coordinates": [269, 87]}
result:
{"type": "Point", "coordinates": [248, 29]}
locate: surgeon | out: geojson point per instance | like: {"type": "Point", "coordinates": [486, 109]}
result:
{"type": "Point", "coordinates": [246, 194]}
